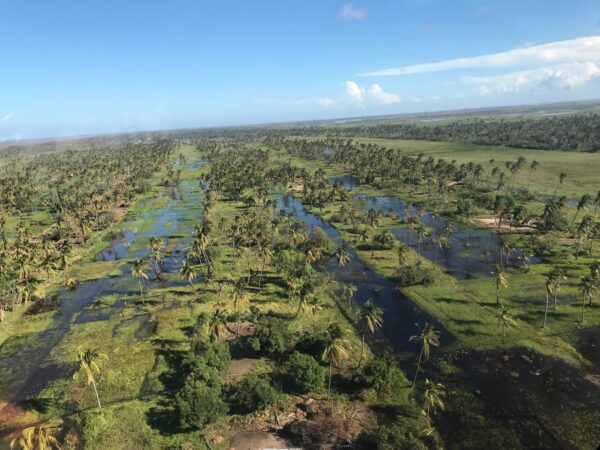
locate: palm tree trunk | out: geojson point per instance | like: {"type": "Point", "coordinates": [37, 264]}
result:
{"type": "Point", "coordinates": [583, 309]}
{"type": "Point", "coordinates": [546, 310]}
{"type": "Point", "coordinates": [362, 348]}
{"type": "Point", "coordinates": [329, 385]}
{"type": "Point", "coordinates": [237, 333]}
{"type": "Point", "coordinates": [96, 392]}
{"type": "Point", "coordinates": [418, 367]}
{"type": "Point", "coordinates": [141, 291]}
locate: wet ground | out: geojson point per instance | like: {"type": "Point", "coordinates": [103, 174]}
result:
{"type": "Point", "coordinates": [469, 253]}
{"type": "Point", "coordinates": [518, 398]}
{"type": "Point", "coordinates": [24, 368]}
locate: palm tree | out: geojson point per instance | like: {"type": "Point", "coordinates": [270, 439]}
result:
{"type": "Point", "coordinates": [557, 275]}
{"type": "Point", "coordinates": [433, 397]}
{"type": "Point", "coordinates": [370, 319]}
{"type": "Point", "coordinates": [500, 280]}
{"type": "Point", "coordinates": [156, 247]}
{"type": "Point", "coordinates": [89, 363]}
{"type": "Point", "coordinates": [587, 287]}
{"type": "Point", "coordinates": [422, 233]}
{"type": "Point", "coordinates": [402, 254]}
{"type": "Point", "coordinates": [549, 291]}
{"type": "Point", "coordinates": [137, 271]}
{"type": "Point", "coordinates": [239, 297]}
{"type": "Point", "coordinates": [342, 256]}
{"type": "Point", "coordinates": [582, 204]}
{"type": "Point", "coordinates": [335, 351]}
{"type": "Point", "coordinates": [428, 338]}
{"type": "Point", "coordinates": [505, 320]}
{"type": "Point", "coordinates": [188, 272]}
{"type": "Point", "coordinates": [37, 438]}
{"type": "Point", "coordinates": [441, 242]}
{"type": "Point", "coordinates": [349, 292]}
{"type": "Point", "coordinates": [217, 324]}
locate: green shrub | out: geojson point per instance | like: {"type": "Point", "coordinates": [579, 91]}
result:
{"type": "Point", "coordinates": [254, 393]}
{"type": "Point", "coordinates": [304, 373]}
{"type": "Point", "coordinates": [272, 334]}
{"type": "Point", "coordinates": [402, 435]}
{"type": "Point", "coordinates": [215, 354]}
{"type": "Point", "coordinates": [413, 275]}
{"type": "Point", "coordinates": [382, 373]}
{"type": "Point", "coordinates": [199, 404]}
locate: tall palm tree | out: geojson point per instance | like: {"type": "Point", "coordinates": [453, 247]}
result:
{"type": "Point", "coordinates": [587, 287]}
{"type": "Point", "coordinates": [188, 272]}
{"type": "Point", "coordinates": [342, 256]}
{"type": "Point", "coordinates": [440, 242]}
{"type": "Point", "coordinates": [156, 247]}
{"type": "Point", "coordinates": [505, 320]}
{"type": "Point", "coordinates": [549, 291]}
{"type": "Point", "coordinates": [434, 392]}
{"type": "Point", "coordinates": [217, 324]}
{"type": "Point", "coordinates": [557, 276]}
{"type": "Point", "coordinates": [402, 254]}
{"type": "Point", "coordinates": [429, 337]}
{"type": "Point", "coordinates": [582, 204]}
{"type": "Point", "coordinates": [370, 320]}
{"type": "Point", "coordinates": [335, 351]}
{"type": "Point", "coordinates": [36, 438]}
{"type": "Point", "coordinates": [137, 271]}
{"type": "Point", "coordinates": [422, 233]}
{"type": "Point", "coordinates": [500, 280]}
{"type": "Point", "coordinates": [89, 363]}
{"type": "Point", "coordinates": [349, 291]}
{"type": "Point", "coordinates": [239, 297]}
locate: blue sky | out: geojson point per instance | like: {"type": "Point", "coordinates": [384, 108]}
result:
{"type": "Point", "coordinates": [71, 67]}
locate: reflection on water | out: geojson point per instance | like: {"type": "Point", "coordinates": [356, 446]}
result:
{"type": "Point", "coordinates": [402, 317]}
{"type": "Point", "coordinates": [469, 252]}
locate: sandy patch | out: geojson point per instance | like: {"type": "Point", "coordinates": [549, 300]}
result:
{"type": "Point", "coordinates": [491, 224]}
{"type": "Point", "coordinates": [258, 440]}
{"type": "Point", "coordinates": [238, 368]}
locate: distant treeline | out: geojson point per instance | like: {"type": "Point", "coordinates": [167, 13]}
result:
{"type": "Point", "coordinates": [579, 132]}
{"type": "Point", "coordinates": [569, 132]}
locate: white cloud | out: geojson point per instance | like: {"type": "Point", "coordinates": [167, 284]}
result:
{"type": "Point", "coordinates": [7, 117]}
{"type": "Point", "coordinates": [322, 101]}
{"type": "Point", "coordinates": [563, 76]}
{"type": "Point", "coordinates": [349, 12]}
{"type": "Point", "coordinates": [373, 94]}
{"type": "Point", "coordinates": [355, 92]}
{"type": "Point", "coordinates": [382, 97]}
{"type": "Point", "coordinates": [584, 49]}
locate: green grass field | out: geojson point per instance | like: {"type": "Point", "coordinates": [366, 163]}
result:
{"type": "Point", "coordinates": [582, 169]}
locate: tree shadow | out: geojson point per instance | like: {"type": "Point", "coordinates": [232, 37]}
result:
{"type": "Point", "coordinates": [164, 418]}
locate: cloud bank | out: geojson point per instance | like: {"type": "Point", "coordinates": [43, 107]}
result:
{"type": "Point", "coordinates": [374, 94]}
{"type": "Point", "coordinates": [563, 77]}
{"type": "Point", "coordinates": [584, 49]}
{"type": "Point", "coordinates": [349, 12]}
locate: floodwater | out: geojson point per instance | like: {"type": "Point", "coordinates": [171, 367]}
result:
{"type": "Point", "coordinates": [520, 392]}
{"type": "Point", "coordinates": [24, 370]}
{"type": "Point", "coordinates": [469, 253]}
{"type": "Point", "coordinates": [402, 317]}
{"type": "Point", "coordinates": [518, 388]}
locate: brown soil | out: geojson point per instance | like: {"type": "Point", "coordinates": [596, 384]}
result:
{"type": "Point", "coordinates": [257, 440]}
{"type": "Point", "coordinates": [490, 223]}
{"type": "Point", "coordinates": [238, 368]}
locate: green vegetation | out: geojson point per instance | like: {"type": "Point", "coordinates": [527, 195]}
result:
{"type": "Point", "coordinates": [248, 292]}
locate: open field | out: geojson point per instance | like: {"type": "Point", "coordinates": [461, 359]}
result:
{"type": "Point", "coordinates": [274, 265]}
{"type": "Point", "coordinates": [580, 167]}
